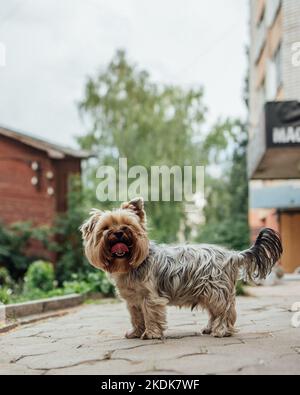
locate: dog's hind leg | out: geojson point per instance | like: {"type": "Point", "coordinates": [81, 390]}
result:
{"type": "Point", "coordinates": [208, 329]}
{"type": "Point", "coordinates": [223, 325]}
{"type": "Point", "coordinates": [231, 319]}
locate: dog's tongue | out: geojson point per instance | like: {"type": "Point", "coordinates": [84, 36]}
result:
{"type": "Point", "coordinates": [119, 248]}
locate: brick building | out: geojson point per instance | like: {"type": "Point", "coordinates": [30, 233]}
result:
{"type": "Point", "coordinates": [34, 177]}
{"type": "Point", "coordinates": [274, 122]}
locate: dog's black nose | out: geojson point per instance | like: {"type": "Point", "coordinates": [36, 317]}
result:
{"type": "Point", "coordinates": [119, 235]}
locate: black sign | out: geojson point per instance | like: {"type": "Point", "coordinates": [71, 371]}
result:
{"type": "Point", "coordinates": [282, 124]}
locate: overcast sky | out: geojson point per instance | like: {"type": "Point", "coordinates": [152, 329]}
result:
{"type": "Point", "coordinates": [52, 45]}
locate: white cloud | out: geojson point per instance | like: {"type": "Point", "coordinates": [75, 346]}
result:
{"type": "Point", "coordinates": [51, 47]}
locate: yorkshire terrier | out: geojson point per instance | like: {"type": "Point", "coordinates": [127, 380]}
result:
{"type": "Point", "coordinates": [149, 277]}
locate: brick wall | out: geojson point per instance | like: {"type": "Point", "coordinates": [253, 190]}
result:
{"type": "Point", "coordinates": [19, 199]}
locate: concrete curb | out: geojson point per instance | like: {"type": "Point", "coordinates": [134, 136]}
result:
{"type": "Point", "coordinates": [32, 319]}
{"type": "Point", "coordinates": [20, 310]}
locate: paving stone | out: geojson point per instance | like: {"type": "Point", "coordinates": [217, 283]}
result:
{"type": "Point", "coordinates": [90, 340]}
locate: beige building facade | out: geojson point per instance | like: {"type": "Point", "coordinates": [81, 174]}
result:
{"type": "Point", "coordinates": [274, 122]}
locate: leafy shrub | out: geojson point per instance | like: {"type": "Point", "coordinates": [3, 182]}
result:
{"type": "Point", "coordinates": [14, 240]}
{"type": "Point", "coordinates": [76, 286]}
{"type": "Point", "coordinates": [99, 282]}
{"type": "Point", "coordinates": [5, 294]}
{"type": "Point", "coordinates": [94, 282]}
{"type": "Point", "coordinates": [5, 279]}
{"type": "Point", "coordinates": [40, 276]}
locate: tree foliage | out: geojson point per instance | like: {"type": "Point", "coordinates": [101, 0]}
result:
{"type": "Point", "coordinates": [132, 117]}
{"type": "Point", "coordinates": [226, 211]}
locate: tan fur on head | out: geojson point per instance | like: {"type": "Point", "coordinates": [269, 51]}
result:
{"type": "Point", "coordinates": [101, 232]}
{"type": "Point", "coordinates": [137, 206]}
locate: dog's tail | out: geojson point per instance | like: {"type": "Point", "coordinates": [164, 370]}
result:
{"type": "Point", "coordinates": [260, 259]}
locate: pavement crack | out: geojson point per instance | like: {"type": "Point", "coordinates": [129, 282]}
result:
{"type": "Point", "coordinates": [180, 337]}
{"type": "Point", "coordinates": [30, 336]}
{"type": "Point", "coordinates": [138, 346]}
{"type": "Point", "coordinates": [195, 354]}
{"type": "Point", "coordinates": [16, 360]}
{"type": "Point", "coordinates": [89, 361]}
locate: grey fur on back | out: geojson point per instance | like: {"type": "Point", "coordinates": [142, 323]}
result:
{"type": "Point", "coordinates": [185, 274]}
{"type": "Point", "coordinates": [188, 275]}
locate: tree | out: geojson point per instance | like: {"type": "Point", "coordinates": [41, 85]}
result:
{"type": "Point", "coordinates": [132, 117]}
{"type": "Point", "coordinates": [226, 211]}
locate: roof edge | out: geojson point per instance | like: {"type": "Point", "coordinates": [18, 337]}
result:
{"type": "Point", "coordinates": [54, 151]}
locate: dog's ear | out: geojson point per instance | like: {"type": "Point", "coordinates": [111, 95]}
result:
{"type": "Point", "coordinates": [137, 206]}
{"type": "Point", "coordinates": [88, 226]}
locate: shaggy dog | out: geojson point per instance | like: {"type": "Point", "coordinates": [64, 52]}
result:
{"type": "Point", "coordinates": [150, 277]}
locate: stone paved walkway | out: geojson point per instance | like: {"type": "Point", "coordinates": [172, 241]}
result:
{"type": "Point", "coordinates": [90, 340]}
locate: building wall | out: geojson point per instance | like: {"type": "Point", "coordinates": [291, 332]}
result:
{"type": "Point", "coordinates": [266, 31]}
{"type": "Point", "coordinates": [291, 35]}
{"type": "Point", "coordinates": [22, 201]}
{"type": "Point", "coordinates": [19, 199]}
{"type": "Point", "coordinates": [274, 29]}
{"type": "Point", "coordinates": [63, 170]}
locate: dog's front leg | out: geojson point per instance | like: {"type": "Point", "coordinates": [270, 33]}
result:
{"type": "Point", "coordinates": [137, 320]}
{"type": "Point", "coordinates": [155, 318]}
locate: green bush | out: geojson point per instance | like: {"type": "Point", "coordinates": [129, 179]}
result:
{"type": "Point", "coordinates": [14, 240]}
{"type": "Point", "coordinates": [94, 282]}
{"type": "Point", "coordinates": [40, 276]}
{"type": "Point", "coordinates": [76, 286]}
{"type": "Point", "coordinates": [5, 294]}
{"type": "Point", "coordinates": [99, 282]}
{"type": "Point", "coordinates": [5, 279]}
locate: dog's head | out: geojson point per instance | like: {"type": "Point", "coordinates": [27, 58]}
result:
{"type": "Point", "coordinates": [116, 241]}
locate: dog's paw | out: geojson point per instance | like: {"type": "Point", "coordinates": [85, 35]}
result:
{"type": "Point", "coordinates": [133, 334]}
{"type": "Point", "coordinates": [206, 331]}
{"type": "Point", "coordinates": [221, 333]}
{"type": "Point", "coordinates": [151, 335]}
